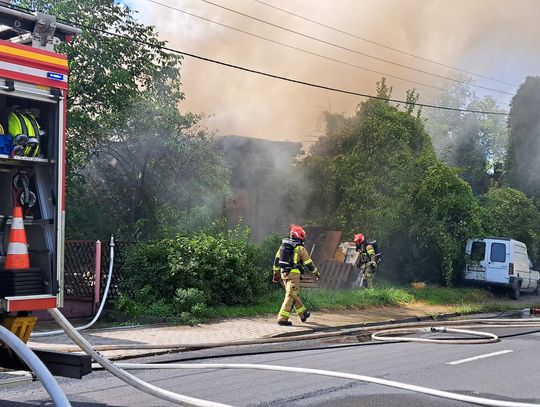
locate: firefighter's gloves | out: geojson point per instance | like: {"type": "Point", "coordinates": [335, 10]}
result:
{"type": "Point", "coordinates": [275, 279]}
{"type": "Point", "coordinates": [316, 273]}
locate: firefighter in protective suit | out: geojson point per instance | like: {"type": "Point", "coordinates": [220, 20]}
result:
{"type": "Point", "coordinates": [291, 258]}
{"type": "Point", "coordinates": [367, 261]}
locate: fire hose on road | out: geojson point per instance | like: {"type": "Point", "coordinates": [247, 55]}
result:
{"type": "Point", "coordinates": [117, 369]}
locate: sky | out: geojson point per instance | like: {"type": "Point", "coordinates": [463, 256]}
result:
{"type": "Point", "coordinates": [494, 38]}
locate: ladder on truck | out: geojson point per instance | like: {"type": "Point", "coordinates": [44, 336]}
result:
{"type": "Point", "coordinates": [38, 30]}
{"type": "Point", "coordinates": [33, 93]}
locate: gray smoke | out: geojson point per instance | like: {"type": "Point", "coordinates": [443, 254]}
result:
{"type": "Point", "coordinates": [262, 177]}
{"type": "Point", "coordinates": [494, 37]}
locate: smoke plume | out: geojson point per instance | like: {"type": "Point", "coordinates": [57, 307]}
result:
{"type": "Point", "coordinates": [495, 38]}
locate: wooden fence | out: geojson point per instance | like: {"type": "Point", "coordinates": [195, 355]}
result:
{"type": "Point", "coordinates": [336, 275]}
{"type": "Point", "coordinates": [79, 268]}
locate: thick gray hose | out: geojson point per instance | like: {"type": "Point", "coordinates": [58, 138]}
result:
{"type": "Point", "coordinates": [103, 300]}
{"type": "Point", "coordinates": [37, 366]}
{"type": "Point", "coordinates": [122, 374]}
{"type": "Point", "coordinates": [329, 373]}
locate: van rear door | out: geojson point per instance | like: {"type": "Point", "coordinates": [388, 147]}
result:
{"type": "Point", "coordinates": [498, 257]}
{"type": "Point", "coordinates": [521, 264]}
{"type": "Point", "coordinates": [477, 261]}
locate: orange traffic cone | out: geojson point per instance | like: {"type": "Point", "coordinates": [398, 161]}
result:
{"type": "Point", "coordinates": [17, 252]}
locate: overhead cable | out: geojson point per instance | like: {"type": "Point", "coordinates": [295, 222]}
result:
{"type": "Point", "coordinates": [269, 75]}
{"type": "Point", "coordinates": [303, 50]}
{"type": "Point", "coordinates": [385, 46]}
{"type": "Point", "coordinates": [321, 41]}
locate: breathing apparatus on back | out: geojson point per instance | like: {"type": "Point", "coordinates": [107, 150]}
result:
{"type": "Point", "coordinates": [296, 238]}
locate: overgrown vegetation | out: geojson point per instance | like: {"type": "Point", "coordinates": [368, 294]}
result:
{"type": "Point", "coordinates": [377, 173]}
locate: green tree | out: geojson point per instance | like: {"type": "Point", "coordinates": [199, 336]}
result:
{"type": "Point", "coordinates": [380, 176]}
{"type": "Point", "coordinates": [475, 143]}
{"type": "Point", "coordinates": [107, 72]}
{"type": "Point", "coordinates": [507, 212]}
{"type": "Point", "coordinates": [135, 165]}
{"type": "Point", "coordinates": [524, 147]}
{"type": "Point", "coordinates": [442, 215]}
{"type": "Point", "coordinates": [152, 178]}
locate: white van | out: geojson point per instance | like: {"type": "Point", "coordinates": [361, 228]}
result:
{"type": "Point", "coordinates": [500, 262]}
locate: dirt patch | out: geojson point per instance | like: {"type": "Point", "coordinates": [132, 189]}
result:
{"type": "Point", "coordinates": [375, 314]}
{"type": "Point", "coordinates": [427, 309]}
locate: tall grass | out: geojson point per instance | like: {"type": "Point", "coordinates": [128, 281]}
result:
{"type": "Point", "coordinates": [463, 300]}
{"type": "Point", "coordinates": [358, 299]}
{"type": "Point", "coordinates": [316, 299]}
{"type": "Point", "coordinates": [446, 296]}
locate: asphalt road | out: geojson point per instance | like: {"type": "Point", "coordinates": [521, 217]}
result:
{"type": "Point", "coordinates": [508, 372]}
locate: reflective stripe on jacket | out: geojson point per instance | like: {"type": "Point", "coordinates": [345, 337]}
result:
{"type": "Point", "coordinates": [367, 254]}
{"type": "Point", "coordinates": [300, 257]}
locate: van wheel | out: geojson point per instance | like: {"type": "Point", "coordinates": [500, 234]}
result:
{"type": "Point", "coordinates": [537, 289]}
{"type": "Point", "coordinates": [514, 293]}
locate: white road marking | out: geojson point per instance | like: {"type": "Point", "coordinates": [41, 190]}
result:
{"type": "Point", "coordinates": [487, 355]}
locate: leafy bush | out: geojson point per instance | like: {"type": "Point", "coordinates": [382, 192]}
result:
{"type": "Point", "coordinates": [192, 274]}
{"type": "Point", "coordinates": [186, 299]}
{"type": "Point", "coordinates": [265, 254]}
{"type": "Point", "coordinates": [190, 305]}
{"type": "Point", "coordinates": [144, 302]}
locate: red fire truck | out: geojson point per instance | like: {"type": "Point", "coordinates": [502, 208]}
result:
{"type": "Point", "coordinates": [33, 93]}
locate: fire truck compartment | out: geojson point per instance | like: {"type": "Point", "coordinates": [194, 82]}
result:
{"type": "Point", "coordinates": [42, 220]}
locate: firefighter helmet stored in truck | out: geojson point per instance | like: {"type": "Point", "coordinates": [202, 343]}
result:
{"type": "Point", "coordinates": [26, 133]}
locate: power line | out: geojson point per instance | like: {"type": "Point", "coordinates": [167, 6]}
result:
{"type": "Point", "coordinates": [313, 53]}
{"type": "Point", "coordinates": [269, 75]}
{"type": "Point", "coordinates": [175, 51]}
{"type": "Point", "coordinates": [332, 44]}
{"type": "Point", "coordinates": [303, 50]}
{"type": "Point", "coordinates": [386, 46]}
